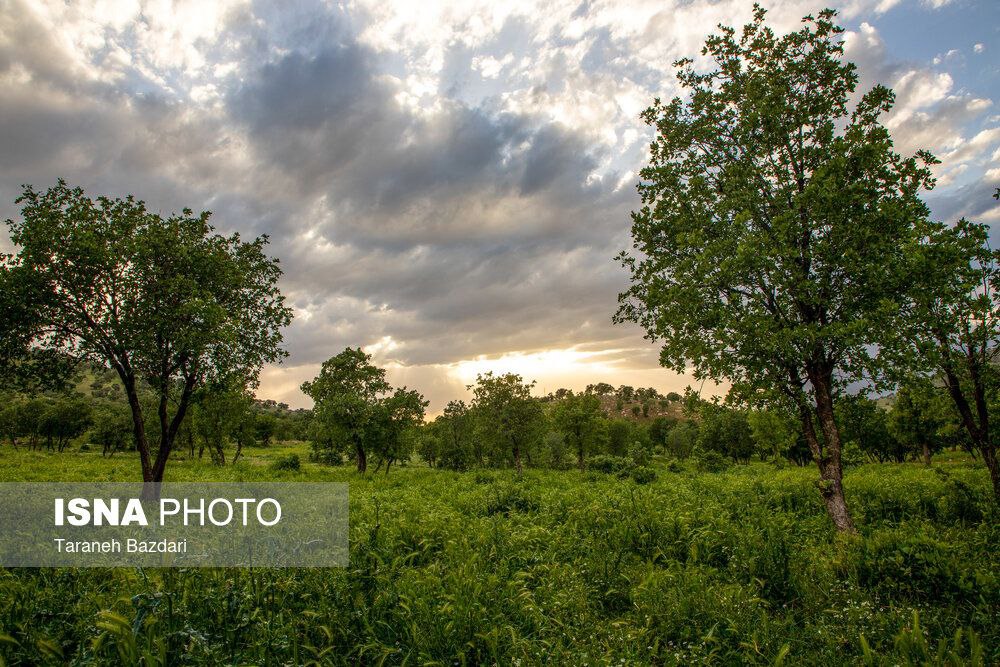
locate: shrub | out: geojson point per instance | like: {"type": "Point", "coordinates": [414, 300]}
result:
{"type": "Point", "coordinates": [912, 566]}
{"type": "Point", "coordinates": [710, 461]}
{"type": "Point", "coordinates": [289, 462]}
{"type": "Point", "coordinates": [609, 464]}
{"type": "Point", "coordinates": [508, 498]}
{"type": "Point", "coordinates": [643, 474]}
{"type": "Point", "coordinates": [639, 454]}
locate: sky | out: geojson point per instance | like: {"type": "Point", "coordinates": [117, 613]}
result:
{"type": "Point", "coordinates": [445, 184]}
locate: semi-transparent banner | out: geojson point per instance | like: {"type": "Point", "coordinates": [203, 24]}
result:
{"type": "Point", "coordinates": [173, 524]}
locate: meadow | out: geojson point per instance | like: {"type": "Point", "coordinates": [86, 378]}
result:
{"type": "Point", "coordinates": [740, 566]}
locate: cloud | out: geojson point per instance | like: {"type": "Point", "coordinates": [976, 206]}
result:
{"type": "Point", "coordinates": [931, 114]}
{"type": "Point", "coordinates": [445, 183]}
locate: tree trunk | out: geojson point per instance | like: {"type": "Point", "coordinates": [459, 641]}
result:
{"type": "Point", "coordinates": [579, 457]}
{"type": "Point", "coordinates": [927, 454]}
{"type": "Point", "coordinates": [990, 458]}
{"type": "Point", "coordinates": [827, 455]}
{"type": "Point", "coordinates": [979, 431]}
{"type": "Point", "coordinates": [362, 459]}
{"type": "Point", "coordinates": [138, 427]}
{"type": "Point", "coordinates": [517, 460]}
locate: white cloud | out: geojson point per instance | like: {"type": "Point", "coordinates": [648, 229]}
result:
{"type": "Point", "coordinates": [445, 182]}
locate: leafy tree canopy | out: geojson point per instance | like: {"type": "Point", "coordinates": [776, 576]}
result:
{"type": "Point", "coordinates": [165, 302]}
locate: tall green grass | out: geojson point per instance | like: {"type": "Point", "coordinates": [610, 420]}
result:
{"type": "Point", "coordinates": [736, 567]}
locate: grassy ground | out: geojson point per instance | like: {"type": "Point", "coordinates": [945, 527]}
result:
{"type": "Point", "coordinates": [738, 567]}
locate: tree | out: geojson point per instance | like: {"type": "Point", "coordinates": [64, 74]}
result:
{"type": "Point", "coordinates": [265, 425]}
{"type": "Point", "coordinates": [507, 416]}
{"type": "Point", "coordinates": [726, 431]}
{"type": "Point", "coordinates": [682, 439]}
{"type": "Point", "coordinates": [601, 389]}
{"type": "Point", "coordinates": [221, 413]}
{"type": "Point", "coordinates": [919, 420]}
{"type": "Point", "coordinates": [65, 418]}
{"type": "Point", "coordinates": [954, 324]}
{"type": "Point", "coordinates": [626, 393]}
{"type": "Point", "coordinates": [579, 418]}
{"type": "Point", "coordinates": [110, 428]}
{"type": "Point", "coordinates": [356, 406]}
{"type": "Point", "coordinates": [13, 418]}
{"type": "Point", "coordinates": [865, 425]}
{"type": "Point", "coordinates": [774, 433]}
{"type": "Point", "coordinates": [346, 392]}
{"type": "Point", "coordinates": [457, 448]}
{"type": "Point", "coordinates": [165, 302]}
{"type": "Point", "coordinates": [774, 224]}
{"type": "Point", "coordinates": [621, 435]}
{"type": "Point", "coordinates": [394, 424]}
{"type": "Point", "coordinates": [660, 428]}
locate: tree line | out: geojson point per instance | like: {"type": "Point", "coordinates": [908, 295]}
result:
{"type": "Point", "coordinates": [94, 412]}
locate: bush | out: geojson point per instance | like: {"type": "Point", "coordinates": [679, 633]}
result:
{"type": "Point", "coordinates": [507, 498]}
{"type": "Point", "coordinates": [289, 462]}
{"type": "Point", "coordinates": [639, 454]}
{"type": "Point", "coordinates": [960, 502]}
{"type": "Point", "coordinates": [328, 457]}
{"type": "Point", "coordinates": [710, 461]}
{"type": "Point", "coordinates": [643, 474]}
{"type": "Point", "coordinates": [608, 464]}
{"type": "Point", "coordinates": [911, 566]}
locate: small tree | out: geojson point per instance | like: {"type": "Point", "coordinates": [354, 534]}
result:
{"type": "Point", "coordinates": [265, 425]}
{"type": "Point", "coordinates": [726, 431]}
{"type": "Point", "coordinates": [221, 414]}
{"type": "Point", "coordinates": [347, 392]}
{"type": "Point", "coordinates": [394, 425]}
{"type": "Point", "coordinates": [865, 425]}
{"type": "Point", "coordinates": [682, 439]}
{"type": "Point", "coordinates": [579, 418]}
{"type": "Point", "coordinates": [64, 419]}
{"type": "Point", "coordinates": [111, 427]}
{"type": "Point", "coordinates": [919, 419]}
{"type": "Point", "coordinates": [771, 244]}
{"type": "Point", "coordinates": [357, 407]}
{"type": "Point", "coordinates": [164, 302]}
{"type": "Point", "coordinates": [954, 323]}
{"type": "Point", "coordinates": [507, 416]}
{"type": "Point", "coordinates": [13, 419]}
{"type": "Point", "coordinates": [459, 449]}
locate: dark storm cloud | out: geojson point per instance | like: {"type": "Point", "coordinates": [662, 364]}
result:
{"type": "Point", "coordinates": [456, 231]}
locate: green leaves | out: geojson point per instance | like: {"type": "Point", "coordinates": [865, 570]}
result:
{"type": "Point", "coordinates": [774, 219]}
{"type": "Point", "coordinates": [356, 410]}
{"type": "Point", "coordinates": [165, 301]}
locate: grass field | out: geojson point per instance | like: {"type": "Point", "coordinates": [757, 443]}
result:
{"type": "Point", "coordinates": [737, 567]}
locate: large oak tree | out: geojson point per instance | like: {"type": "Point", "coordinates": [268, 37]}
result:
{"type": "Point", "coordinates": [770, 245]}
{"type": "Point", "coordinates": [164, 301]}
